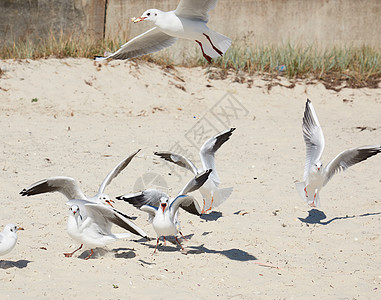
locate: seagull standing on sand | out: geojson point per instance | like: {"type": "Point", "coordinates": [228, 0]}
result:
{"type": "Point", "coordinates": [188, 21]}
{"type": "Point", "coordinates": [8, 238]}
{"type": "Point", "coordinates": [70, 188]}
{"type": "Point", "coordinates": [95, 229]}
{"type": "Point", "coordinates": [163, 211]}
{"type": "Point", "coordinates": [315, 175]}
{"type": "Point", "coordinates": [212, 195]}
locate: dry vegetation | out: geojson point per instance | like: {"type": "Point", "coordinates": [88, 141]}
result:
{"type": "Point", "coordinates": [336, 67]}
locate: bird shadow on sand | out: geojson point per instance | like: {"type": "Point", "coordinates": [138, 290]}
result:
{"type": "Point", "coordinates": [316, 216]}
{"type": "Point", "coordinates": [126, 253]}
{"type": "Point", "coordinates": [212, 216]}
{"type": "Point", "coordinates": [20, 264]}
{"type": "Point", "coordinates": [233, 254]}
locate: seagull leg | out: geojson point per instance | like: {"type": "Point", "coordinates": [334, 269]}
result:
{"type": "Point", "coordinates": [71, 254]}
{"type": "Point", "coordinates": [157, 243]}
{"type": "Point", "coordinates": [92, 252]}
{"type": "Point", "coordinates": [183, 236]}
{"type": "Point", "coordinates": [203, 207]}
{"type": "Point", "coordinates": [165, 242]}
{"type": "Point", "coordinates": [214, 47]}
{"type": "Point", "coordinates": [182, 248]}
{"type": "Point", "coordinates": [210, 208]}
{"type": "Point", "coordinates": [305, 189]}
{"type": "Point", "coordinates": [207, 57]}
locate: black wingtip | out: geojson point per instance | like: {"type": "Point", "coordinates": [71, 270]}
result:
{"type": "Point", "coordinates": [23, 193]}
{"type": "Point", "coordinates": [119, 198]}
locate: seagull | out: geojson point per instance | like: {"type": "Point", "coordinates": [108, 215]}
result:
{"type": "Point", "coordinates": [95, 229]}
{"type": "Point", "coordinates": [163, 211]}
{"type": "Point", "coordinates": [212, 195]}
{"type": "Point", "coordinates": [188, 21]}
{"type": "Point", "coordinates": [315, 175]}
{"type": "Point", "coordinates": [70, 188]}
{"type": "Point", "coordinates": [8, 238]}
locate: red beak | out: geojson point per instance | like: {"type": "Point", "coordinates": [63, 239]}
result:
{"type": "Point", "coordinates": [163, 206]}
{"type": "Point", "coordinates": [137, 20]}
{"type": "Point", "coordinates": [109, 202]}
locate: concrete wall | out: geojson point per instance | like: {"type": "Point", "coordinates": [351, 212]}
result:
{"type": "Point", "coordinates": [35, 19]}
{"type": "Point", "coordinates": [327, 22]}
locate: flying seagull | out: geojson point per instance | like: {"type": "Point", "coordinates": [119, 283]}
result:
{"type": "Point", "coordinates": [315, 175]}
{"type": "Point", "coordinates": [188, 21]}
{"type": "Point", "coordinates": [212, 195]}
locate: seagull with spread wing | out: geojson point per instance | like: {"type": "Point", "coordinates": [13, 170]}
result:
{"type": "Point", "coordinates": [211, 193]}
{"type": "Point", "coordinates": [315, 175]}
{"type": "Point", "coordinates": [69, 187]}
{"type": "Point", "coordinates": [163, 211]}
{"type": "Point", "coordinates": [188, 21]}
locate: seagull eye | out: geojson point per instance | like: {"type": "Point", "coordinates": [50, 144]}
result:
{"type": "Point", "coordinates": [155, 14]}
{"type": "Point", "coordinates": [148, 14]}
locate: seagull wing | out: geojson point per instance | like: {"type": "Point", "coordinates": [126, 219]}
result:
{"type": "Point", "coordinates": [178, 160]}
{"type": "Point", "coordinates": [150, 41]}
{"type": "Point", "coordinates": [103, 215]}
{"type": "Point", "coordinates": [151, 210]}
{"type": "Point", "coordinates": [313, 137]}
{"type": "Point", "coordinates": [208, 150]}
{"type": "Point", "coordinates": [195, 9]}
{"type": "Point", "coordinates": [115, 172]}
{"type": "Point", "coordinates": [149, 197]}
{"type": "Point", "coordinates": [186, 202]}
{"type": "Point", "coordinates": [195, 183]}
{"type": "Point", "coordinates": [65, 185]}
{"type": "Point", "coordinates": [349, 158]}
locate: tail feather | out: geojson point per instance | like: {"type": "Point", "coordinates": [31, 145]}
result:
{"type": "Point", "coordinates": [221, 42]}
{"type": "Point", "coordinates": [300, 186]}
{"type": "Point", "coordinates": [221, 195]}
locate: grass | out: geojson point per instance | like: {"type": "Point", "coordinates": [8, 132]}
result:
{"type": "Point", "coordinates": [355, 66]}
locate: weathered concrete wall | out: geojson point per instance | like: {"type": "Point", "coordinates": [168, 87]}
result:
{"type": "Point", "coordinates": [36, 19]}
{"type": "Point", "coordinates": [269, 21]}
{"type": "Point", "coordinates": [326, 22]}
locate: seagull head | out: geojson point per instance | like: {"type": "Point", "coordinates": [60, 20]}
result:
{"type": "Point", "coordinates": [12, 229]}
{"type": "Point", "coordinates": [74, 210]}
{"type": "Point", "coordinates": [149, 15]}
{"type": "Point", "coordinates": [318, 165]}
{"type": "Point", "coordinates": [164, 203]}
{"type": "Point", "coordinates": [105, 199]}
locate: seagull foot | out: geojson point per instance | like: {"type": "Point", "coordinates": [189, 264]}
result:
{"type": "Point", "coordinates": [92, 252]}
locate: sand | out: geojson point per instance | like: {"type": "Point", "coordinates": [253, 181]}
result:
{"type": "Point", "coordinates": [74, 118]}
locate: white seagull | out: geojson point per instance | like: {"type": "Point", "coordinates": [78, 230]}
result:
{"type": "Point", "coordinates": [315, 175]}
{"type": "Point", "coordinates": [163, 211]}
{"type": "Point", "coordinates": [188, 21]}
{"type": "Point", "coordinates": [212, 195]}
{"type": "Point", "coordinates": [95, 229]}
{"type": "Point", "coordinates": [70, 188]}
{"type": "Point", "coordinates": [8, 238]}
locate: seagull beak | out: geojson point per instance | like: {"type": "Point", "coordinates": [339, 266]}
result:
{"type": "Point", "coordinates": [137, 20]}
{"type": "Point", "coordinates": [163, 206]}
{"type": "Point", "coordinates": [109, 202]}
{"type": "Point", "coordinates": [20, 228]}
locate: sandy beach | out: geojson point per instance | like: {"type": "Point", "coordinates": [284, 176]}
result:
{"type": "Point", "coordinates": [75, 118]}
